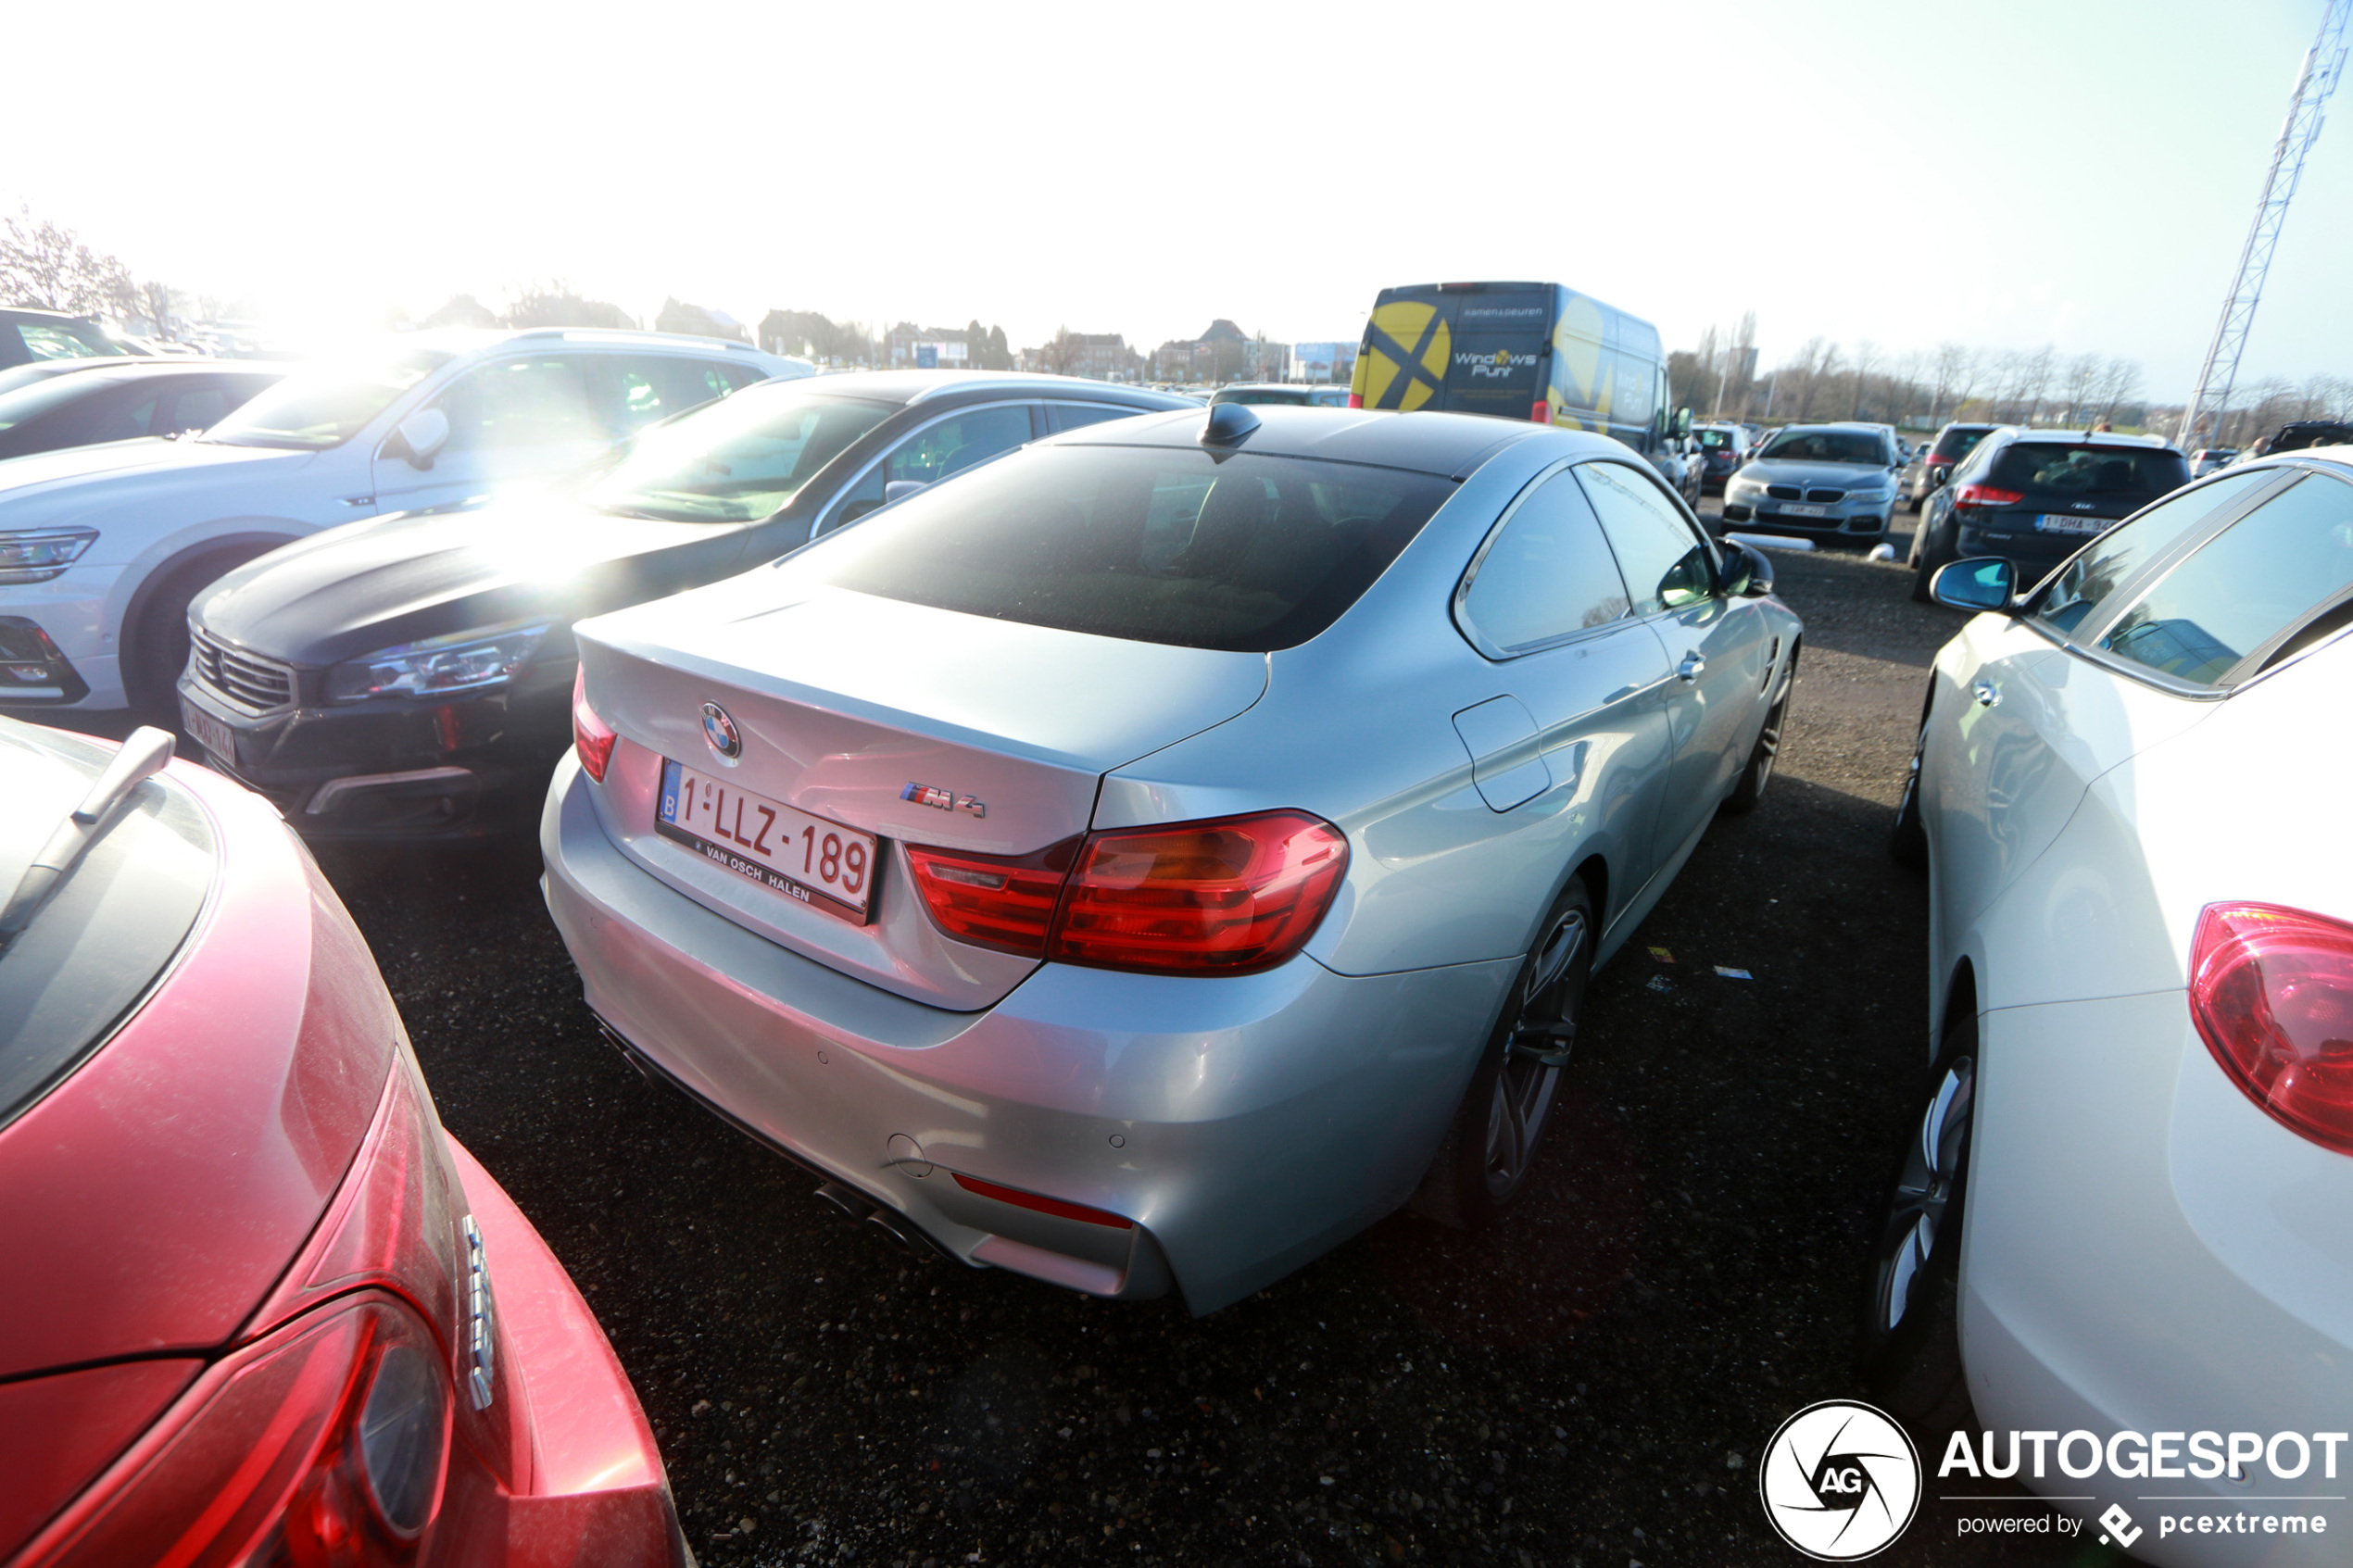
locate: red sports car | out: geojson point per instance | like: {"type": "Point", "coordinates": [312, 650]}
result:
{"type": "Point", "coordinates": [256, 1309]}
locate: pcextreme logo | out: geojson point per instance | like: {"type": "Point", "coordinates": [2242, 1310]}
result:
{"type": "Point", "coordinates": [1840, 1480]}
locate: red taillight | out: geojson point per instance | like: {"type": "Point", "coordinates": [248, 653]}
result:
{"type": "Point", "coordinates": [1541, 413]}
{"type": "Point", "coordinates": [1043, 1205]}
{"type": "Point", "coordinates": [1985, 495]}
{"type": "Point", "coordinates": [1224, 896]}
{"type": "Point", "coordinates": [1220, 896]}
{"type": "Point", "coordinates": [1355, 399]}
{"type": "Point", "coordinates": [324, 1445]}
{"type": "Point", "coordinates": [2272, 993]}
{"type": "Point", "coordinates": [993, 901]}
{"type": "Point", "coordinates": [591, 736]}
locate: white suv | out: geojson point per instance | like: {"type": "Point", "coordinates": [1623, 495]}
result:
{"type": "Point", "coordinates": [102, 548]}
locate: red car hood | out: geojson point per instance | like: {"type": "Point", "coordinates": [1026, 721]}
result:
{"type": "Point", "coordinates": [148, 1203]}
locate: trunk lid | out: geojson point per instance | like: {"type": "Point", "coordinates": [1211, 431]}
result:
{"type": "Point", "coordinates": [846, 705]}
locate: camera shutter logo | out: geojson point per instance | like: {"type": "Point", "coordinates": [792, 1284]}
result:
{"type": "Point", "coordinates": [1841, 1481]}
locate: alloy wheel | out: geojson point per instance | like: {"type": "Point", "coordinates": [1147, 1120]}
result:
{"type": "Point", "coordinates": [1542, 1036]}
{"type": "Point", "coordinates": [1924, 1195]}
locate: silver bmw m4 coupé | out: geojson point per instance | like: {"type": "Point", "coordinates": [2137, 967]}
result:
{"type": "Point", "coordinates": [1154, 855]}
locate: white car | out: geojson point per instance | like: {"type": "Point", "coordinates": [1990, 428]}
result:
{"type": "Point", "coordinates": [2129, 792]}
{"type": "Point", "coordinates": [102, 548]}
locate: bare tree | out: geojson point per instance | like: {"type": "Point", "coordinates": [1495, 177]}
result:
{"type": "Point", "coordinates": [2079, 382]}
{"type": "Point", "coordinates": [1866, 356]}
{"type": "Point", "coordinates": [159, 304]}
{"type": "Point", "coordinates": [2120, 379]}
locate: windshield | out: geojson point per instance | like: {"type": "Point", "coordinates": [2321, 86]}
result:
{"type": "Point", "coordinates": [1153, 545]}
{"type": "Point", "coordinates": [736, 461]}
{"type": "Point", "coordinates": [112, 924]}
{"type": "Point", "coordinates": [327, 405]}
{"type": "Point", "coordinates": [1827, 446]}
{"type": "Point", "coordinates": [31, 402]}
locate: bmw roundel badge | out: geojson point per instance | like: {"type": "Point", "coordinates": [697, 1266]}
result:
{"type": "Point", "coordinates": [720, 731]}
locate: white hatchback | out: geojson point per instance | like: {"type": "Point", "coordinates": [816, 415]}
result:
{"type": "Point", "coordinates": [2130, 793]}
{"type": "Point", "coordinates": [102, 548]}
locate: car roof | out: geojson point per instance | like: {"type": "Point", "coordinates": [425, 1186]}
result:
{"type": "Point", "coordinates": [466, 340]}
{"type": "Point", "coordinates": [1451, 445]}
{"type": "Point", "coordinates": [106, 367]}
{"type": "Point", "coordinates": [912, 387]}
{"type": "Point", "coordinates": [14, 313]}
{"type": "Point", "coordinates": [2077, 435]}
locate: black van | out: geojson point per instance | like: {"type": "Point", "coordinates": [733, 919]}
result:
{"type": "Point", "coordinates": [1525, 351]}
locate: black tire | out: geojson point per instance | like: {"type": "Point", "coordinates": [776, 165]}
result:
{"type": "Point", "coordinates": [1907, 840]}
{"type": "Point", "coordinates": [158, 644]}
{"type": "Point", "coordinates": [1930, 551]}
{"type": "Point", "coordinates": [1750, 788]}
{"type": "Point", "coordinates": [1910, 1331]}
{"type": "Point", "coordinates": [1499, 1129]}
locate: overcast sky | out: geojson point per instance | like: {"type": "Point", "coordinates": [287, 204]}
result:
{"type": "Point", "coordinates": [1998, 174]}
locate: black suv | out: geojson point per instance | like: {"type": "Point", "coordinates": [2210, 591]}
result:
{"type": "Point", "coordinates": [2035, 495]}
{"type": "Point", "coordinates": [412, 676]}
{"type": "Point", "coordinates": [1953, 443]}
{"type": "Point", "coordinates": [2297, 434]}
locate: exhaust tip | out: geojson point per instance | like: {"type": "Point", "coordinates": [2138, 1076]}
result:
{"type": "Point", "coordinates": [905, 1234]}
{"type": "Point", "coordinates": [852, 1205]}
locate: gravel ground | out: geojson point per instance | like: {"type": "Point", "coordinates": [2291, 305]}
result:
{"type": "Point", "coordinates": [1588, 1383]}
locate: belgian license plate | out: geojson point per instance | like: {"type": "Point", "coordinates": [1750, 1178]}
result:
{"type": "Point", "coordinates": [780, 847]}
{"type": "Point", "coordinates": [2060, 522]}
{"type": "Point", "coordinates": [210, 731]}
{"type": "Point", "coordinates": [1790, 508]}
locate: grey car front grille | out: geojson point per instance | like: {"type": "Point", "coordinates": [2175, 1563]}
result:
{"type": "Point", "coordinates": [254, 685]}
{"type": "Point", "coordinates": [1826, 495]}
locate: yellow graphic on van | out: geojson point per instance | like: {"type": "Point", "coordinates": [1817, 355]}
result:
{"type": "Point", "coordinates": [1403, 364]}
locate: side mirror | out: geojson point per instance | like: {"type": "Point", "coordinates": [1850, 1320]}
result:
{"type": "Point", "coordinates": [1748, 571]}
{"type": "Point", "coordinates": [417, 437]}
{"type": "Point", "coordinates": [899, 488]}
{"type": "Point", "coordinates": [1980, 582]}
{"type": "Point", "coordinates": [1683, 421]}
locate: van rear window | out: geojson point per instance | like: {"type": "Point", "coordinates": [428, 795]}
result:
{"type": "Point", "coordinates": [1150, 544]}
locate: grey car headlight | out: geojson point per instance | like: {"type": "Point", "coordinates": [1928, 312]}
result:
{"type": "Point", "coordinates": [464, 661]}
{"type": "Point", "coordinates": [1747, 487]}
{"type": "Point", "coordinates": [35, 555]}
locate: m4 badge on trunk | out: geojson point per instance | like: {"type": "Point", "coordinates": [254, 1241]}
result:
{"type": "Point", "coordinates": [942, 799]}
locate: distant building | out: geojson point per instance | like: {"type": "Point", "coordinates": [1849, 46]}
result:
{"type": "Point", "coordinates": [1097, 355]}
{"type": "Point", "coordinates": [1224, 353]}
{"type": "Point", "coordinates": [909, 347]}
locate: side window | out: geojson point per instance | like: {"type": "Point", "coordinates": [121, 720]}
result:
{"type": "Point", "coordinates": [1547, 572]}
{"type": "Point", "coordinates": [2254, 581]}
{"type": "Point", "coordinates": [1075, 415]}
{"type": "Point", "coordinates": [534, 400]}
{"type": "Point", "coordinates": [2086, 584]}
{"type": "Point", "coordinates": [120, 418]}
{"type": "Point", "coordinates": [1665, 564]}
{"type": "Point", "coordinates": [946, 449]}
{"type": "Point", "coordinates": [198, 408]}
{"type": "Point", "coordinates": [656, 386]}
{"type": "Point", "coordinates": [44, 340]}
{"type": "Point", "coordinates": [738, 376]}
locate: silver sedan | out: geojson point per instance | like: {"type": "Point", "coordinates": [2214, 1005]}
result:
{"type": "Point", "coordinates": [1153, 857]}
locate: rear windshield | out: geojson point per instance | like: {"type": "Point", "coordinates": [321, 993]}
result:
{"type": "Point", "coordinates": [1955, 445]}
{"type": "Point", "coordinates": [1262, 394]}
{"type": "Point", "coordinates": [1713, 439]}
{"type": "Point", "coordinates": [739, 460]}
{"type": "Point", "coordinates": [1148, 544]}
{"type": "Point", "coordinates": [2050, 468]}
{"type": "Point", "coordinates": [109, 930]}
{"type": "Point", "coordinates": [1827, 446]}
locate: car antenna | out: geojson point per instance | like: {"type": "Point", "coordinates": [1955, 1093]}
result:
{"type": "Point", "coordinates": [140, 758]}
{"type": "Point", "coordinates": [1227, 424]}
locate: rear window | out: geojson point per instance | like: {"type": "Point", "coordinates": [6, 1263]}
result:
{"type": "Point", "coordinates": [1955, 445]}
{"type": "Point", "coordinates": [1150, 544]}
{"type": "Point", "coordinates": [1715, 439]}
{"type": "Point", "coordinates": [2072, 469]}
{"type": "Point", "coordinates": [109, 930]}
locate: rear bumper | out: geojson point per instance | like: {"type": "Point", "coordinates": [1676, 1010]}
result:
{"type": "Point", "coordinates": [398, 770]}
{"type": "Point", "coordinates": [598, 1495]}
{"type": "Point", "coordinates": [1242, 1126]}
{"type": "Point", "coordinates": [2146, 1251]}
{"type": "Point", "coordinates": [2017, 540]}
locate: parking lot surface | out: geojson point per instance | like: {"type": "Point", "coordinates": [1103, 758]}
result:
{"type": "Point", "coordinates": [1591, 1383]}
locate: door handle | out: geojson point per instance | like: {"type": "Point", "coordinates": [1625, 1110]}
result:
{"type": "Point", "coordinates": [1987, 694]}
{"type": "Point", "coordinates": [1689, 669]}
